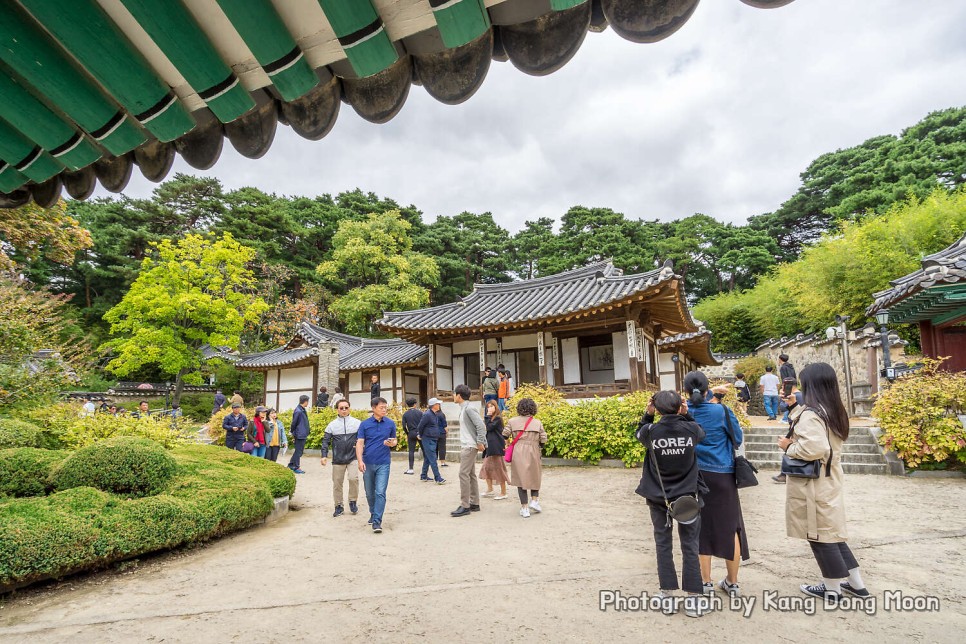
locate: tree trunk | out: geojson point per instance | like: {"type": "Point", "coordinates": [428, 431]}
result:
{"type": "Point", "coordinates": [178, 387]}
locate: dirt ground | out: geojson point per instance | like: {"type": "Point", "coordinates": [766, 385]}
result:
{"type": "Point", "coordinates": [494, 576]}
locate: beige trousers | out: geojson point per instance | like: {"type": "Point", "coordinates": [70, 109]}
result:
{"type": "Point", "coordinates": [338, 477]}
{"type": "Point", "coordinates": [469, 483]}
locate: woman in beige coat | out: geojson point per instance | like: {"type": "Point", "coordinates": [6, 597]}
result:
{"type": "Point", "coordinates": [526, 469]}
{"type": "Point", "coordinates": [815, 508]}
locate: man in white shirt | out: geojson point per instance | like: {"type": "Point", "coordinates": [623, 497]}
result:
{"type": "Point", "coordinates": [768, 384]}
{"type": "Point", "coordinates": [89, 407]}
{"type": "Point", "coordinates": [341, 433]}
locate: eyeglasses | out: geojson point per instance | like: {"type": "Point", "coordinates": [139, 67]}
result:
{"type": "Point", "coordinates": [343, 407]}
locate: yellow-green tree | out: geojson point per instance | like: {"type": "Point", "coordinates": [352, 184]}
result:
{"type": "Point", "coordinates": [189, 293]}
{"type": "Point", "coordinates": [374, 264]}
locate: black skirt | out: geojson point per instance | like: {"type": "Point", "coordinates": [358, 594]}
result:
{"type": "Point", "coordinates": [721, 517]}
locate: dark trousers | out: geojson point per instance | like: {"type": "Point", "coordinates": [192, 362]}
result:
{"type": "Point", "coordinates": [295, 462]}
{"type": "Point", "coordinates": [272, 453]}
{"type": "Point", "coordinates": [412, 449]}
{"type": "Point", "coordinates": [835, 560]}
{"type": "Point", "coordinates": [429, 459]}
{"type": "Point", "coordinates": [664, 548]}
{"type": "Point", "coordinates": [523, 495]}
{"type": "Point", "coordinates": [234, 440]}
{"type": "Point", "coordinates": [441, 448]}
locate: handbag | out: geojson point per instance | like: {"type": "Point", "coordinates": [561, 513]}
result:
{"type": "Point", "coordinates": [798, 468]}
{"type": "Point", "coordinates": [248, 447]}
{"type": "Point", "coordinates": [508, 454]}
{"type": "Point", "coordinates": [684, 509]}
{"type": "Point", "coordinates": [744, 470]}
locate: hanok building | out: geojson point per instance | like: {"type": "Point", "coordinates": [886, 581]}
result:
{"type": "Point", "coordinates": [589, 331]}
{"type": "Point", "coordinates": [316, 356]}
{"type": "Point", "coordinates": [934, 297]}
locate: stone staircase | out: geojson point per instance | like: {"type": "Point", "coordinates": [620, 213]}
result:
{"type": "Point", "coordinates": [860, 454]}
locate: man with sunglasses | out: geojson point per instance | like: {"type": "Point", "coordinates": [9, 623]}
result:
{"type": "Point", "coordinates": [341, 434]}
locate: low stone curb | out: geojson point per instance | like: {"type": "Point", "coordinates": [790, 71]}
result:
{"type": "Point", "coordinates": [935, 474]}
{"type": "Point", "coordinates": [279, 511]}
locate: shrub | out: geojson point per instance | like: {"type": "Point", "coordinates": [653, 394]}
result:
{"type": "Point", "coordinates": [754, 368]}
{"type": "Point", "coordinates": [126, 466]}
{"type": "Point", "coordinates": [198, 406]}
{"type": "Point", "coordinates": [18, 433]}
{"type": "Point", "coordinates": [73, 431]}
{"type": "Point", "coordinates": [918, 416]}
{"type": "Point", "coordinates": [594, 429]}
{"type": "Point", "coordinates": [24, 471]}
{"type": "Point", "coordinates": [216, 491]}
{"type": "Point", "coordinates": [544, 395]}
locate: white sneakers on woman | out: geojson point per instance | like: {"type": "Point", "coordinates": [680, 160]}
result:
{"type": "Point", "coordinates": [525, 512]}
{"type": "Point", "coordinates": [535, 506]}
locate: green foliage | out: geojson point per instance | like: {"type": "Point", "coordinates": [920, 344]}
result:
{"type": "Point", "coordinates": [595, 429]}
{"type": "Point", "coordinates": [216, 491]}
{"type": "Point", "coordinates": [66, 427]}
{"type": "Point", "coordinates": [735, 329]}
{"type": "Point", "coordinates": [198, 406]}
{"type": "Point", "coordinates": [192, 293]}
{"type": "Point", "coordinates": [127, 466]}
{"type": "Point", "coordinates": [30, 232]}
{"type": "Point", "coordinates": [838, 275]}
{"type": "Point", "coordinates": [19, 433]}
{"type": "Point", "coordinates": [320, 419]}
{"type": "Point", "coordinates": [25, 471]}
{"type": "Point", "coordinates": [754, 368]}
{"type": "Point", "coordinates": [918, 416]}
{"type": "Point", "coordinates": [374, 262]}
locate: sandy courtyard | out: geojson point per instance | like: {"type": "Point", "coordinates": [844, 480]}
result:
{"type": "Point", "coordinates": [494, 576]}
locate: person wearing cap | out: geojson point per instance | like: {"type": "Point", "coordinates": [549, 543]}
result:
{"type": "Point", "coordinates": [410, 423]}
{"type": "Point", "coordinates": [428, 433]}
{"type": "Point", "coordinates": [255, 432]}
{"type": "Point", "coordinates": [235, 425]}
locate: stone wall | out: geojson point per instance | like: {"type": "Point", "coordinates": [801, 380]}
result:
{"type": "Point", "coordinates": [328, 367]}
{"type": "Point", "coordinates": [865, 359]}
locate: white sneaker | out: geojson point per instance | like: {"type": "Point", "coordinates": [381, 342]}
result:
{"type": "Point", "coordinates": [487, 494]}
{"type": "Point", "coordinates": [499, 498]}
{"type": "Point", "coordinates": [697, 605]}
{"type": "Point", "coordinates": [535, 506]}
{"type": "Point", "coordinates": [731, 589]}
{"type": "Point", "coordinates": [667, 601]}
{"type": "Point", "coordinates": [525, 513]}
{"type": "Point", "coordinates": [408, 472]}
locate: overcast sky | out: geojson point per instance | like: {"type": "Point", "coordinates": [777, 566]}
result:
{"type": "Point", "coordinates": [719, 118]}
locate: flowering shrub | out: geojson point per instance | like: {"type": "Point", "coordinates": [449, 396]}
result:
{"type": "Point", "coordinates": [918, 416]}
{"type": "Point", "coordinates": [63, 423]}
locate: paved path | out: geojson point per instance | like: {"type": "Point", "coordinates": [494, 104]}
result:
{"type": "Point", "coordinates": [494, 576]}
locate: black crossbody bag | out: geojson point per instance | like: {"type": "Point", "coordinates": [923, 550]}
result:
{"type": "Point", "coordinates": [744, 470]}
{"type": "Point", "coordinates": [797, 468]}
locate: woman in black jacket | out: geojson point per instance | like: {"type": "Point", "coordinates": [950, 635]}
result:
{"type": "Point", "coordinates": [494, 467]}
{"type": "Point", "coordinates": [671, 445]}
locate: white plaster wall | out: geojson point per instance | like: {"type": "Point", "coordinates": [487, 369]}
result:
{"type": "Point", "coordinates": [444, 355]}
{"type": "Point", "coordinates": [622, 370]}
{"type": "Point", "coordinates": [444, 379]}
{"type": "Point", "coordinates": [289, 400]}
{"type": "Point", "coordinates": [525, 341]}
{"type": "Point", "coordinates": [459, 370]}
{"type": "Point", "coordinates": [570, 354]}
{"type": "Point", "coordinates": [355, 380]}
{"type": "Point", "coordinates": [467, 346]}
{"type": "Point", "coordinates": [298, 378]}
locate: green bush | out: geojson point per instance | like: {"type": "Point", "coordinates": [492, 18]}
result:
{"type": "Point", "coordinates": [918, 417]}
{"type": "Point", "coordinates": [65, 424]}
{"type": "Point", "coordinates": [198, 406]}
{"type": "Point", "coordinates": [24, 471]}
{"type": "Point", "coordinates": [19, 433]}
{"type": "Point", "coordinates": [754, 368]}
{"type": "Point", "coordinates": [125, 465]}
{"type": "Point", "coordinates": [216, 491]}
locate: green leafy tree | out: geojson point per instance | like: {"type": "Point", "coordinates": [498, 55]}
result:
{"type": "Point", "coordinates": [29, 233]}
{"type": "Point", "coordinates": [374, 265]}
{"type": "Point", "coordinates": [469, 249]}
{"type": "Point", "coordinates": [594, 234]}
{"type": "Point", "coordinates": [194, 292]}
{"type": "Point", "coordinates": [531, 245]}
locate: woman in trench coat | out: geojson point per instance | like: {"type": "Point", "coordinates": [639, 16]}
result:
{"type": "Point", "coordinates": [815, 508]}
{"type": "Point", "coordinates": [526, 469]}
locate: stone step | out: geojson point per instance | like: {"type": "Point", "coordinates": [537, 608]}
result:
{"type": "Point", "coordinates": [762, 457]}
{"type": "Point", "coordinates": [848, 448]}
{"type": "Point", "coordinates": [848, 468]}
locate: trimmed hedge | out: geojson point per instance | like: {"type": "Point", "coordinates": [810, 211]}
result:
{"type": "Point", "coordinates": [125, 465]}
{"type": "Point", "coordinates": [216, 491]}
{"type": "Point", "coordinates": [18, 433]}
{"type": "Point", "coordinates": [24, 471]}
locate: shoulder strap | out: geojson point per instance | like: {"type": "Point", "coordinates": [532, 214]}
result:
{"type": "Point", "coordinates": [729, 430]}
{"type": "Point", "coordinates": [657, 470]}
{"type": "Point", "coordinates": [828, 464]}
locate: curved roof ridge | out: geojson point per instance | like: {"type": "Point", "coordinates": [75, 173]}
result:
{"type": "Point", "coordinates": [606, 266]}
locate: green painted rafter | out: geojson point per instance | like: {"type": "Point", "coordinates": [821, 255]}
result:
{"type": "Point", "coordinates": [362, 35]}
{"type": "Point", "coordinates": [27, 157]}
{"type": "Point", "coordinates": [460, 21]}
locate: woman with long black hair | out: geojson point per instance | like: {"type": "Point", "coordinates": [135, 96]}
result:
{"type": "Point", "coordinates": [722, 524]}
{"type": "Point", "coordinates": [815, 507]}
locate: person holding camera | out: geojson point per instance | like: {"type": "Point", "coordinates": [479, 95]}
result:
{"type": "Point", "coordinates": [670, 473]}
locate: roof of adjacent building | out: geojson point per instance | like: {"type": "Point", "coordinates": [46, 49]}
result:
{"type": "Point", "coordinates": [180, 77]}
{"type": "Point", "coordinates": [696, 344]}
{"type": "Point", "coordinates": [355, 353]}
{"type": "Point", "coordinates": [596, 290]}
{"type": "Point", "coordinates": [936, 290]}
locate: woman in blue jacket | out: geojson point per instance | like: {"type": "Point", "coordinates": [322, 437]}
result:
{"type": "Point", "coordinates": [722, 526]}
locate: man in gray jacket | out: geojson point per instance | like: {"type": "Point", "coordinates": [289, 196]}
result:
{"type": "Point", "coordinates": [472, 439]}
{"type": "Point", "coordinates": [341, 434]}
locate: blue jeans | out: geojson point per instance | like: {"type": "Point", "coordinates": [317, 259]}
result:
{"type": "Point", "coordinates": [234, 440]}
{"type": "Point", "coordinates": [771, 406]}
{"type": "Point", "coordinates": [429, 458]}
{"type": "Point", "coordinates": [259, 451]}
{"type": "Point", "coordinates": [501, 403]}
{"type": "Point", "coordinates": [376, 480]}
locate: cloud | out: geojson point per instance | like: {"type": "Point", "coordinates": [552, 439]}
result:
{"type": "Point", "coordinates": [720, 118]}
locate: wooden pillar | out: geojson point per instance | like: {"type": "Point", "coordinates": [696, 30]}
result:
{"type": "Point", "coordinates": [431, 371]}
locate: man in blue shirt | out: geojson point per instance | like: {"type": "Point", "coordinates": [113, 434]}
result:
{"type": "Point", "coordinates": [234, 425]}
{"type": "Point", "coordinates": [376, 437]}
